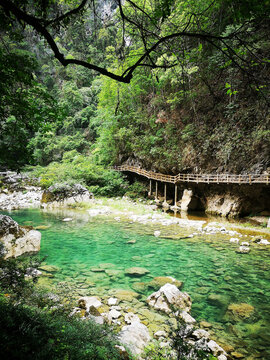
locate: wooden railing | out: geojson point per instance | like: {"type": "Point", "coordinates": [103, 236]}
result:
{"type": "Point", "coordinates": [198, 178]}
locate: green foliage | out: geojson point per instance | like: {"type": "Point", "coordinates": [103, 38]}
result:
{"type": "Point", "coordinates": [39, 327]}
{"type": "Point", "coordinates": [136, 190]}
{"type": "Point", "coordinates": [29, 332]}
{"type": "Point", "coordinates": [25, 106]}
{"type": "Point", "coordinates": [76, 168]}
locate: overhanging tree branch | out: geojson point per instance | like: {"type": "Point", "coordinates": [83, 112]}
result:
{"type": "Point", "coordinates": [40, 25]}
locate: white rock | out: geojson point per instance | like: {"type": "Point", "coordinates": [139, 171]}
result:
{"type": "Point", "coordinates": [112, 301]}
{"type": "Point", "coordinates": [188, 319]}
{"type": "Point", "coordinates": [244, 249]}
{"type": "Point", "coordinates": [215, 348]}
{"type": "Point", "coordinates": [164, 344]}
{"type": "Point", "coordinates": [234, 240]}
{"type": "Point", "coordinates": [87, 301]}
{"type": "Point", "coordinates": [222, 357]}
{"type": "Point", "coordinates": [264, 242]}
{"type": "Point", "coordinates": [157, 233]}
{"type": "Point", "coordinates": [114, 314]}
{"type": "Point", "coordinates": [67, 219]}
{"type": "Point", "coordinates": [131, 318]}
{"type": "Point", "coordinates": [244, 243]}
{"type": "Point", "coordinates": [169, 295]}
{"type": "Point", "coordinates": [135, 337]}
{"type": "Point", "coordinates": [160, 334]}
{"type": "Point", "coordinates": [200, 333]}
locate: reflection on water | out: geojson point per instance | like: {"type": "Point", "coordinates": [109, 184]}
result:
{"type": "Point", "coordinates": [213, 273]}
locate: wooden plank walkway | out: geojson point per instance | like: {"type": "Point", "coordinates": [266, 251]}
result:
{"type": "Point", "coordinates": [198, 178]}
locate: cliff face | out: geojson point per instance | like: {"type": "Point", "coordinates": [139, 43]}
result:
{"type": "Point", "coordinates": [210, 142]}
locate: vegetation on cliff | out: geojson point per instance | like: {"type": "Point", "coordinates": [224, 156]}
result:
{"type": "Point", "coordinates": [185, 87]}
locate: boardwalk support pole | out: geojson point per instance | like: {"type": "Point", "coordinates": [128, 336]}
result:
{"type": "Point", "coordinates": [150, 189]}
{"type": "Point", "coordinates": [175, 195]}
{"type": "Point", "coordinates": [156, 197]}
{"type": "Point", "coordinates": [165, 192]}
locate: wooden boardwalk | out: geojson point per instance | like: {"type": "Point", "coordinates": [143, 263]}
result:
{"type": "Point", "coordinates": [198, 178]}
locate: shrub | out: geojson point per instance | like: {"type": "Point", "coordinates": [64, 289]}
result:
{"type": "Point", "coordinates": [32, 333]}
{"type": "Point", "coordinates": [135, 190]}
{"type": "Point", "coordinates": [77, 168]}
{"type": "Point", "coordinates": [37, 325]}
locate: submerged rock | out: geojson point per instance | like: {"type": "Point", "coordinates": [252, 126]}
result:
{"type": "Point", "coordinates": [49, 268]}
{"type": "Point", "coordinates": [136, 271]}
{"type": "Point", "coordinates": [167, 296]}
{"type": "Point", "coordinates": [141, 287]}
{"type": "Point", "coordinates": [217, 300]}
{"type": "Point", "coordinates": [240, 311]}
{"type": "Point", "coordinates": [124, 295]}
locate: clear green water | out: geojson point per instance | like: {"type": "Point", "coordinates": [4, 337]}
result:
{"type": "Point", "coordinates": [206, 265]}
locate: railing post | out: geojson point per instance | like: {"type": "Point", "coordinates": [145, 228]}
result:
{"type": "Point", "coordinates": [217, 179]}
{"type": "Point", "coordinates": [267, 179]}
{"type": "Point", "coordinates": [227, 179]}
{"type": "Point", "coordinates": [249, 179]}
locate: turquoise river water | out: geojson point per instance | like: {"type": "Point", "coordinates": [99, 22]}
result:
{"type": "Point", "coordinates": [208, 265]}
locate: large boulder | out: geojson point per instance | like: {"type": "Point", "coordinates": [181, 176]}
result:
{"type": "Point", "coordinates": [135, 337]}
{"type": "Point", "coordinates": [17, 240]}
{"type": "Point", "coordinates": [169, 297]}
{"type": "Point", "coordinates": [64, 195]}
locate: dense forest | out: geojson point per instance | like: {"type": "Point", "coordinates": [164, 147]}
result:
{"type": "Point", "coordinates": [172, 86]}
